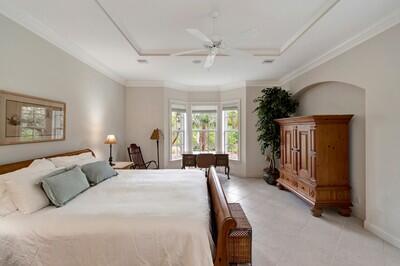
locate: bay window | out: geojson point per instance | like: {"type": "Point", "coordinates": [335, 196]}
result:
{"type": "Point", "coordinates": [205, 128]}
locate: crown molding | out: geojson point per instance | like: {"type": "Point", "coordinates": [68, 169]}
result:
{"type": "Point", "coordinates": [370, 32]}
{"type": "Point", "coordinates": [144, 83]}
{"type": "Point", "coordinates": [184, 87]}
{"type": "Point", "coordinates": [51, 36]}
{"type": "Point", "coordinates": [263, 83]}
{"type": "Point", "coordinates": [168, 84]}
{"type": "Point", "coordinates": [232, 86]}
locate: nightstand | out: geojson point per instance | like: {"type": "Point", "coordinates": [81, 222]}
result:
{"type": "Point", "coordinates": [122, 165]}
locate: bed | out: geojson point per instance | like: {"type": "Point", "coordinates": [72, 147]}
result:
{"type": "Point", "coordinates": [140, 217]}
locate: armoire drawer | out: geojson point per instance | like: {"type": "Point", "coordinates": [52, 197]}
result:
{"type": "Point", "coordinates": [306, 190]}
{"type": "Point", "coordinates": [303, 188]}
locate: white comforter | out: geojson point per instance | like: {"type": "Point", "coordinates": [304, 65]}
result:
{"type": "Point", "coordinates": [141, 217]}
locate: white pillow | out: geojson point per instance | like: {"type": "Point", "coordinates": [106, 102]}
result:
{"type": "Point", "coordinates": [6, 204]}
{"type": "Point", "coordinates": [42, 163]}
{"type": "Point", "coordinates": [25, 190]}
{"type": "Point", "coordinates": [86, 155]}
{"type": "Point", "coordinates": [67, 161]}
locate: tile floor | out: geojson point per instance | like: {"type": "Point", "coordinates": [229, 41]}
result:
{"type": "Point", "coordinates": [285, 233]}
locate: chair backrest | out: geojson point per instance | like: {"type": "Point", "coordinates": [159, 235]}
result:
{"type": "Point", "coordinates": [135, 155]}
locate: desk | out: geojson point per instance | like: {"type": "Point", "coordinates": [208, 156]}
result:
{"type": "Point", "coordinates": [206, 160]}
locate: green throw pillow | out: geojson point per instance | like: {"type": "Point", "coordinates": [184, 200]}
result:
{"type": "Point", "coordinates": [98, 171]}
{"type": "Point", "coordinates": [63, 185]}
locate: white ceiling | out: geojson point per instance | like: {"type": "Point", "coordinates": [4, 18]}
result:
{"type": "Point", "coordinates": [292, 32]}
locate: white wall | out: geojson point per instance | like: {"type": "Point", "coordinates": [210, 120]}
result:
{"type": "Point", "coordinates": [255, 159]}
{"type": "Point", "coordinates": [374, 66]}
{"type": "Point", "coordinates": [31, 65]}
{"type": "Point", "coordinates": [144, 113]}
{"type": "Point", "coordinates": [342, 98]}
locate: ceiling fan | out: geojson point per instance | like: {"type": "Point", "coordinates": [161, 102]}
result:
{"type": "Point", "coordinates": [215, 46]}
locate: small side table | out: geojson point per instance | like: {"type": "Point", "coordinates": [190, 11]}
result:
{"type": "Point", "coordinates": [122, 165]}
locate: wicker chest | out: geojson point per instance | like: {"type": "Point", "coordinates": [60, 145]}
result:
{"type": "Point", "coordinates": [239, 240]}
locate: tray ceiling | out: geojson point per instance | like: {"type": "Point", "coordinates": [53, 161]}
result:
{"type": "Point", "coordinates": [114, 34]}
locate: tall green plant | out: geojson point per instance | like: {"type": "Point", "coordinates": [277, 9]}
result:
{"type": "Point", "coordinates": [274, 103]}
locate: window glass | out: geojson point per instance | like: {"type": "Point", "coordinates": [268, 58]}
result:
{"type": "Point", "coordinates": [204, 125]}
{"type": "Point", "coordinates": [231, 133]}
{"type": "Point", "coordinates": [177, 141]}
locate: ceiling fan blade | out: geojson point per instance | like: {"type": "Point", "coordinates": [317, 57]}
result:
{"type": "Point", "coordinates": [235, 52]}
{"type": "Point", "coordinates": [199, 35]}
{"type": "Point", "coordinates": [209, 61]}
{"type": "Point", "coordinates": [189, 52]}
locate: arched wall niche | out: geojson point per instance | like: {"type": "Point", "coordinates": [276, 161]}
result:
{"type": "Point", "coordinates": [332, 97]}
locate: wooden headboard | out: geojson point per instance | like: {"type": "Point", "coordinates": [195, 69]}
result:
{"type": "Point", "coordinates": [6, 168]}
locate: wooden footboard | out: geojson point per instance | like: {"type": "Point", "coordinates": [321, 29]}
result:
{"type": "Point", "coordinates": [222, 220]}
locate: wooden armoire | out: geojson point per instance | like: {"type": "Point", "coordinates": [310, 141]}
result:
{"type": "Point", "coordinates": [315, 160]}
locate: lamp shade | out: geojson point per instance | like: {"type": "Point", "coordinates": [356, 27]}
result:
{"type": "Point", "coordinates": [156, 134]}
{"type": "Point", "coordinates": [111, 139]}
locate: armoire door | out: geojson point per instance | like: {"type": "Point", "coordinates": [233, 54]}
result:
{"type": "Point", "coordinates": [304, 152]}
{"type": "Point", "coordinates": [287, 160]}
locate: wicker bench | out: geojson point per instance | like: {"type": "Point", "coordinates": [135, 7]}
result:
{"type": "Point", "coordinates": [239, 240]}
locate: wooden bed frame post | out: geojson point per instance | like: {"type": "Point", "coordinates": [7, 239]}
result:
{"type": "Point", "coordinates": [222, 219]}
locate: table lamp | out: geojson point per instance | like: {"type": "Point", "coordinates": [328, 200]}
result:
{"type": "Point", "coordinates": [111, 140]}
{"type": "Point", "coordinates": [156, 136]}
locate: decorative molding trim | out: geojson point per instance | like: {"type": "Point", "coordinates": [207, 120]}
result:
{"type": "Point", "coordinates": [183, 87]}
{"type": "Point", "coordinates": [168, 84]}
{"type": "Point", "coordinates": [274, 52]}
{"type": "Point", "coordinates": [51, 36]}
{"type": "Point", "coordinates": [306, 27]}
{"type": "Point", "coordinates": [382, 234]}
{"type": "Point", "coordinates": [262, 83]}
{"type": "Point", "coordinates": [233, 85]}
{"type": "Point", "coordinates": [144, 83]}
{"type": "Point", "coordinates": [370, 32]}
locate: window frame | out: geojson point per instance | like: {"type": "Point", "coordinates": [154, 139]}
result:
{"type": "Point", "coordinates": [214, 108]}
{"type": "Point", "coordinates": [171, 131]}
{"type": "Point", "coordinates": [219, 130]}
{"type": "Point", "coordinates": [230, 104]}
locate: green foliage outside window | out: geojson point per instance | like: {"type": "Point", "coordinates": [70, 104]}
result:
{"type": "Point", "coordinates": [231, 133]}
{"type": "Point", "coordinates": [204, 126]}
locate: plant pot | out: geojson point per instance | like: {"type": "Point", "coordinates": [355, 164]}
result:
{"type": "Point", "coordinates": [271, 175]}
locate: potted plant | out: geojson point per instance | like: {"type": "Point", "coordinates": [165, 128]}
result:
{"type": "Point", "coordinates": [274, 103]}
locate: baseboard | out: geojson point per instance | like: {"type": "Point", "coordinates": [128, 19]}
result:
{"type": "Point", "coordinates": [382, 234]}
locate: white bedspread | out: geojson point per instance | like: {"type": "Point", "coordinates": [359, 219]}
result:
{"type": "Point", "coordinates": [141, 217]}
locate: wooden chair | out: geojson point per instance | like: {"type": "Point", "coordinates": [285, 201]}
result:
{"type": "Point", "coordinates": [135, 155]}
